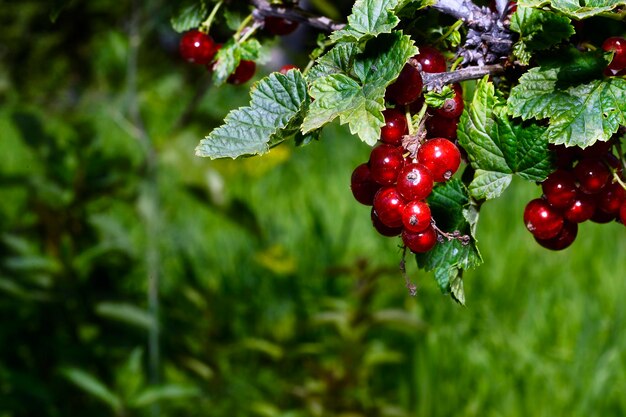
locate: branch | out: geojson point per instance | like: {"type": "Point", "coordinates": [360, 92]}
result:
{"type": "Point", "coordinates": [295, 14]}
{"type": "Point", "coordinates": [466, 11]}
{"type": "Point", "coordinates": [436, 80]}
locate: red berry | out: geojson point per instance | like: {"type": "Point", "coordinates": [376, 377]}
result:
{"type": "Point", "coordinates": [564, 156]}
{"type": "Point", "coordinates": [592, 175]}
{"type": "Point", "coordinates": [415, 182]}
{"type": "Point", "coordinates": [420, 242]}
{"type": "Point", "coordinates": [563, 239]}
{"type": "Point", "coordinates": [598, 149]}
{"type": "Point", "coordinates": [441, 127]}
{"type": "Point", "coordinates": [197, 47]}
{"type": "Point", "coordinates": [452, 107]}
{"type": "Point", "coordinates": [611, 198]}
{"type": "Point", "coordinates": [542, 220]}
{"type": "Point", "coordinates": [407, 88]}
{"type": "Point", "coordinates": [600, 216]}
{"type": "Point", "coordinates": [385, 163]}
{"type": "Point", "coordinates": [285, 68]}
{"type": "Point", "coordinates": [382, 228]}
{"type": "Point", "coordinates": [441, 157]}
{"type": "Point", "coordinates": [618, 46]}
{"type": "Point", "coordinates": [279, 26]}
{"type": "Point", "coordinates": [416, 216]}
{"type": "Point", "coordinates": [581, 209]}
{"type": "Point", "coordinates": [431, 59]}
{"type": "Point", "coordinates": [395, 127]}
{"type": "Point", "coordinates": [243, 73]}
{"type": "Point", "coordinates": [363, 186]}
{"type": "Point", "coordinates": [622, 213]}
{"type": "Point", "coordinates": [560, 189]}
{"type": "Point", "coordinates": [389, 205]}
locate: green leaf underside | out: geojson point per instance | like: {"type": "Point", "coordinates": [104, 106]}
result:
{"type": "Point", "coordinates": [189, 16]}
{"type": "Point", "coordinates": [436, 99]}
{"type": "Point", "coordinates": [356, 94]}
{"type": "Point", "coordinates": [369, 18]}
{"type": "Point", "coordinates": [449, 258]}
{"type": "Point", "coordinates": [538, 30]}
{"type": "Point", "coordinates": [582, 110]}
{"type": "Point", "coordinates": [574, 8]}
{"type": "Point", "coordinates": [277, 105]}
{"type": "Point", "coordinates": [229, 56]}
{"type": "Point", "coordinates": [498, 148]}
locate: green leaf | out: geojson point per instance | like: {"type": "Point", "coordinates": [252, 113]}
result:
{"type": "Point", "coordinates": [189, 16]}
{"type": "Point", "coordinates": [170, 392]}
{"type": "Point", "coordinates": [276, 109]}
{"type": "Point", "coordinates": [358, 98]}
{"type": "Point", "coordinates": [229, 56]}
{"type": "Point", "coordinates": [338, 60]}
{"type": "Point", "coordinates": [587, 8]}
{"type": "Point", "coordinates": [449, 203]}
{"type": "Point", "coordinates": [436, 99]}
{"type": "Point", "coordinates": [126, 313]}
{"type": "Point", "coordinates": [369, 18]}
{"type": "Point", "coordinates": [498, 148]}
{"type": "Point", "coordinates": [538, 30]}
{"type": "Point", "coordinates": [91, 385]}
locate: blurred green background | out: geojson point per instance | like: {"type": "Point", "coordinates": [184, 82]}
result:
{"type": "Point", "coordinates": [139, 280]}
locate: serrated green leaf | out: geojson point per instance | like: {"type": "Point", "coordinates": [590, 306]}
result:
{"type": "Point", "coordinates": [369, 18]}
{"type": "Point", "coordinates": [498, 148]}
{"type": "Point", "coordinates": [189, 16]}
{"type": "Point", "coordinates": [277, 106]}
{"type": "Point", "coordinates": [457, 290]}
{"type": "Point", "coordinates": [93, 386]}
{"type": "Point", "coordinates": [584, 9]}
{"type": "Point", "coordinates": [538, 30]}
{"type": "Point", "coordinates": [358, 98]}
{"type": "Point", "coordinates": [449, 203]}
{"type": "Point", "coordinates": [338, 60]}
{"type": "Point", "coordinates": [436, 99]}
{"type": "Point", "coordinates": [229, 56]}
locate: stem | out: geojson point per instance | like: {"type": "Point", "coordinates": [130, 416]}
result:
{"type": "Point", "coordinates": [206, 25]}
{"type": "Point", "coordinates": [409, 120]}
{"type": "Point", "coordinates": [450, 30]}
{"type": "Point", "coordinates": [439, 79]}
{"type": "Point", "coordinates": [242, 26]}
{"type": "Point", "coordinates": [255, 26]}
{"type": "Point", "coordinates": [409, 285]}
{"type": "Point", "coordinates": [618, 180]}
{"type": "Point", "coordinates": [456, 63]}
{"type": "Point", "coordinates": [263, 8]}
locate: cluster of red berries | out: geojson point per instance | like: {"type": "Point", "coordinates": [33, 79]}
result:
{"type": "Point", "coordinates": [581, 189]}
{"type": "Point", "coordinates": [198, 47]}
{"type": "Point", "coordinates": [617, 66]}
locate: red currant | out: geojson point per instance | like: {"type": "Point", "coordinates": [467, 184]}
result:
{"type": "Point", "coordinates": [597, 150]}
{"type": "Point", "coordinates": [452, 107]}
{"type": "Point", "coordinates": [542, 220]}
{"type": "Point", "coordinates": [363, 186]}
{"type": "Point", "coordinates": [197, 47]}
{"type": "Point", "coordinates": [560, 189]}
{"type": "Point", "coordinates": [622, 213]}
{"type": "Point", "coordinates": [564, 156]}
{"type": "Point", "coordinates": [395, 127]}
{"type": "Point", "coordinates": [420, 242]}
{"type": "Point", "coordinates": [602, 217]}
{"type": "Point", "coordinates": [407, 88]}
{"type": "Point", "coordinates": [592, 175]}
{"type": "Point", "coordinates": [415, 182]}
{"type": "Point", "coordinates": [441, 127]}
{"type": "Point", "coordinates": [581, 209]}
{"type": "Point", "coordinates": [382, 228]}
{"type": "Point", "coordinates": [416, 216]}
{"type": "Point", "coordinates": [385, 163]}
{"type": "Point", "coordinates": [611, 198]}
{"type": "Point", "coordinates": [431, 59]}
{"type": "Point", "coordinates": [243, 73]}
{"type": "Point", "coordinates": [563, 239]}
{"type": "Point", "coordinates": [618, 46]}
{"type": "Point", "coordinates": [389, 205]}
{"type": "Point", "coordinates": [441, 157]}
{"type": "Point", "coordinates": [279, 26]}
{"type": "Point", "coordinates": [285, 68]}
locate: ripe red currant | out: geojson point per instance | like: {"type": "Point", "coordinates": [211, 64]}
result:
{"type": "Point", "coordinates": [581, 209]}
{"type": "Point", "coordinates": [382, 228]}
{"type": "Point", "coordinates": [197, 47]}
{"type": "Point", "coordinates": [243, 73]}
{"type": "Point", "coordinates": [389, 205]}
{"type": "Point", "coordinates": [407, 88]}
{"type": "Point", "coordinates": [385, 163]}
{"type": "Point", "coordinates": [563, 239]}
{"type": "Point", "coordinates": [602, 217]}
{"type": "Point", "coordinates": [279, 26]}
{"type": "Point", "coordinates": [285, 68]}
{"type": "Point", "coordinates": [618, 46]}
{"type": "Point", "coordinates": [452, 107]}
{"type": "Point", "coordinates": [363, 186]}
{"type": "Point", "coordinates": [441, 127]}
{"type": "Point", "coordinates": [431, 59]}
{"type": "Point", "coordinates": [560, 189]}
{"type": "Point", "coordinates": [420, 242]}
{"type": "Point", "coordinates": [416, 216]}
{"type": "Point", "coordinates": [611, 198]}
{"type": "Point", "coordinates": [415, 182]}
{"type": "Point", "coordinates": [542, 220]}
{"type": "Point", "coordinates": [622, 213]}
{"type": "Point", "coordinates": [597, 150]}
{"type": "Point", "coordinates": [395, 127]}
{"type": "Point", "coordinates": [441, 157]}
{"type": "Point", "coordinates": [564, 156]}
{"type": "Point", "coordinates": [592, 175]}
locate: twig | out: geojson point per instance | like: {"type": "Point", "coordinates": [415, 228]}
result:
{"type": "Point", "coordinates": [263, 8]}
{"type": "Point", "coordinates": [409, 285]}
{"type": "Point", "coordinates": [436, 80]}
